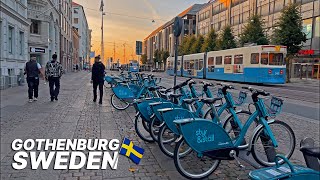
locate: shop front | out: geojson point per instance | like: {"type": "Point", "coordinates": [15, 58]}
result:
{"type": "Point", "coordinates": [306, 65]}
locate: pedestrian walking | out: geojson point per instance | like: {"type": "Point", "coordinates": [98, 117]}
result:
{"type": "Point", "coordinates": [97, 78]}
{"type": "Point", "coordinates": [53, 74]}
{"type": "Point", "coordinates": [32, 70]}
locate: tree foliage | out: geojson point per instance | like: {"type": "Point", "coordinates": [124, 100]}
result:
{"type": "Point", "coordinates": [197, 45]}
{"type": "Point", "coordinates": [253, 32]}
{"type": "Point", "coordinates": [186, 45]}
{"type": "Point", "coordinates": [156, 56]}
{"type": "Point", "coordinates": [210, 42]}
{"type": "Point", "coordinates": [226, 40]}
{"type": "Point", "coordinates": [164, 56]}
{"type": "Point", "coordinates": [144, 59]}
{"type": "Point", "coordinates": [289, 32]}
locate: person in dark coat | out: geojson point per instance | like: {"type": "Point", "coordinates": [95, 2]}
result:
{"type": "Point", "coordinates": [33, 69]}
{"type": "Point", "coordinates": [97, 78]}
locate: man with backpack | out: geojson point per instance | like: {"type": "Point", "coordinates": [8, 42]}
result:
{"type": "Point", "coordinates": [33, 69]}
{"type": "Point", "coordinates": [97, 78]}
{"type": "Point", "coordinates": [53, 73]}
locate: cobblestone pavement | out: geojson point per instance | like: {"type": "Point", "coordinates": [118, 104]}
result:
{"type": "Point", "coordinates": [75, 116]}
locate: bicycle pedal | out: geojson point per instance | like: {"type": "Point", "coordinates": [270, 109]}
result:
{"type": "Point", "coordinates": [234, 155]}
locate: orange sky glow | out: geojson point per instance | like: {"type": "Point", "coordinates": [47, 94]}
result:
{"type": "Point", "coordinates": [127, 21]}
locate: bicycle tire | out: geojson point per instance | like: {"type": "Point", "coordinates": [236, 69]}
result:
{"type": "Point", "coordinates": [254, 147]}
{"type": "Point", "coordinates": [189, 175]}
{"type": "Point", "coordinates": [162, 143]}
{"type": "Point", "coordinates": [143, 126]}
{"type": "Point", "coordinates": [113, 98]}
{"type": "Point", "coordinates": [154, 128]}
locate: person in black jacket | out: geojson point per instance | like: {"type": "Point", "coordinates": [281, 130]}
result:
{"type": "Point", "coordinates": [33, 69]}
{"type": "Point", "coordinates": [97, 78]}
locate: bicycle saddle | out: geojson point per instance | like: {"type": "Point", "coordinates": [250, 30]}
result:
{"type": "Point", "coordinates": [311, 151]}
{"type": "Point", "coordinates": [210, 100]}
{"type": "Point", "coordinates": [175, 95]}
{"type": "Point", "coordinates": [190, 101]}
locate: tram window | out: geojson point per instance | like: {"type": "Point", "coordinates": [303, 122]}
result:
{"type": "Point", "coordinates": [196, 64]}
{"type": "Point", "coordinates": [227, 59]}
{"type": "Point", "coordinates": [264, 58]}
{"type": "Point", "coordinates": [200, 64]}
{"type": "Point", "coordinates": [276, 59]}
{"type": "Point", "coordinates": [211, 64]}
{"type": "Point", "coordinates": [219, 60]}
{"type": "Point", "coordinates": [255, 58]}
{"type": "Point", "coordinates": [238, 59]}
{"type": "Point", "coordinates": [191, 64]}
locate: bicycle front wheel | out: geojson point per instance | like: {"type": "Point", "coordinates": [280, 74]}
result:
{"type": "Point", "coordinates": [191, 165]}
{"type": "Point", "coordinates": [119, 104]}
{"type": "Point", "coordinates": [142, 129]}
{"type": "Point", "coordinates": [263, 150]}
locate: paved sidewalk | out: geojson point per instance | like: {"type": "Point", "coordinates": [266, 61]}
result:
{"type": "Point", "coordinates": [75, 116]}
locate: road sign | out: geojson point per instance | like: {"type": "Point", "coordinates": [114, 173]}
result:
{"type": "Point", "coordinates": [92, 54]}
{"type": "Point", "coordinates": [177, 27]}
{"type": "Point", "coordinates": [138, 47]}
{"type": "Point", "coordinates": [37, 50]}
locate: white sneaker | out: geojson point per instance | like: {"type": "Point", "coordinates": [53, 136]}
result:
{"type": "Point", "coordinates": [35, 99]}
{"type": "Point", "coordinates": [30, 100]}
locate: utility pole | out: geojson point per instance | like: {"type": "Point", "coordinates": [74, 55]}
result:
{"type": "Point", "coordinates": [124, 53]}
{"type": "Point", "coordinates": [102, 44]}
{"type": "Point", "coordinates": [114, 50]}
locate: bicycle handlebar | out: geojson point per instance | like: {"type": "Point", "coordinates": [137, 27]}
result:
{"type": "Point", "coordinates": [179, 86]}
{"type": "Point", "coordinates": [257, 91]}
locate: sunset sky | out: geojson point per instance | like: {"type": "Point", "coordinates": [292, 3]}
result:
{"type": "Point", "coordinates": [125, 29]}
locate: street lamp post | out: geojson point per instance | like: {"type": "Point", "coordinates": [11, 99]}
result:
{"type": "Point", "coordinates": [102, 44]}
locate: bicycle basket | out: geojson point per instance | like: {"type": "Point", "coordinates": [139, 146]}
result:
{"type": "Point", "coordinates": [275, 106]}
{"type": "Point", "coordinates": [241, 99]}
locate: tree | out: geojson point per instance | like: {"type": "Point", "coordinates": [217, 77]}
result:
{"type": "Point", "coordinates": [289, 32]}
{"type": "Point", "coordinates": [156, 56]}
{"type": "Point", "coordinates": [196, 45]}
{"type": "Point", "coordinates": [144, 59]}
{"type": "Point", "coordinates": [164, 56]}
{"type": "Point", "coordinates": [253, 32]}
{"type": "Point", "coordinates": [186, 44]}
{"type": "Point", "coordinates": [226, 40]}
{"type": "Point", "coordinates": [210, 42]}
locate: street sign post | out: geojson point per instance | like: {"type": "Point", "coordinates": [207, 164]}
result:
{"type": "Point", "coordinates": [177, 28]}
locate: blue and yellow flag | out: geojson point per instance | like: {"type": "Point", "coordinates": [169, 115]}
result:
{"type": "Point", "coordinates": [133, 152]}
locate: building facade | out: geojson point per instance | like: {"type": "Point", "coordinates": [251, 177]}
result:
{"type": "Point", "coordinates": [14, 30]}
{"type": "Point", "coordinates": [163, 39]}
{"type": "Point", "coordinates": [79, 21]}
{"type": "Point", "coordinates": [75, 45]}
{"type": "Point", "coordinates": [66, 34]}
{"type": "Point", "coordinates": [216, 15]}
{"type": "Point", "coordinates": [44, 30]}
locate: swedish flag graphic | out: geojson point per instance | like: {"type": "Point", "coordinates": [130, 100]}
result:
{"type": "Point", "coordinates": [133, 152]}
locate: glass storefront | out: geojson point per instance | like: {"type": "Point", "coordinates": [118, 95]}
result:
{"type": "Point", "coordinates": [306, 68]}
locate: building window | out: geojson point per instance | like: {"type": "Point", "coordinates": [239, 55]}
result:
{"type": "Point", "coordinates": [75, 20]}
{"type": "Point", "coordinates": [10, 39]}
{"type": "Point", "coordinates": [21, 42]}
{"type": "Point", "coordinates": [317, 27]}
{"type": "Point", "coordinates": [75, 11]}
{"type": "Point", "coordinates": [35, 27]}
{"type": "Point", "coordinates": [307, 27]}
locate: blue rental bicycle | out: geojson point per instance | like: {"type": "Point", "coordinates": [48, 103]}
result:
{"type": "Point", "coordinates": [210, 142]}
{"type": "Point", "coordinates": [169, 134]}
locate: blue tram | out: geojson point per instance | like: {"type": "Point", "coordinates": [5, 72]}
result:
{"type": "Point", "coordinates": [255, 64]}
{"type": "Point", "coordinates": [134, 66]}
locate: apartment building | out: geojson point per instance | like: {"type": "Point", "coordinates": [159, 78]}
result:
{"type": "Point", "coordinates": [163, 39]}
{"type": "Point", "coordinates": [75, 45]}
{"type": "Point", "coordinates": [80, 22]}
{"type": "Point", "coordinates": [14, 30]}
{"type": "Point", "coordinates": [66, 34]}
{"type": "Point", "coordinates": [216, 15]}
{"type": "Point", "coordinates": [44, 30]}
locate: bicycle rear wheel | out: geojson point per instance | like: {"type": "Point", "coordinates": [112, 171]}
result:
{"type": "Point", "coordinates": [192, 166]}
{"type": "Point", "coordinates": [119, 104]}
{"type": "Point", "coordinates": [263, 150]}
{"type": "Point", "coordinates": [167, 140]}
